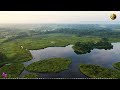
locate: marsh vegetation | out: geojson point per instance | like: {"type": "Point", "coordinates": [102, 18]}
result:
{"type": "Point", "coordinates": [17, 40]}
{"type": "Point", "coordinates": [52, 65]}
{"type": "Point", "coordinates": [95, 71]}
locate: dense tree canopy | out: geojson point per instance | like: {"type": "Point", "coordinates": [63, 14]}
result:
{"type": "Point", "coordinates": [83, 48]}
{"type": "Point", "coordinates": [101, 32]}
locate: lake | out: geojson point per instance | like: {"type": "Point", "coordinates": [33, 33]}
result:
{"type": "Point", "coordinates": [104, 58]}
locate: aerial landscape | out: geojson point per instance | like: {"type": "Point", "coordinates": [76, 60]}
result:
{"type": "Point", "coordinates": [61, 49]}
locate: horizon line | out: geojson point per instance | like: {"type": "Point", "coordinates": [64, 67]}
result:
{"type": "Point", "coordinates": [81, 22]}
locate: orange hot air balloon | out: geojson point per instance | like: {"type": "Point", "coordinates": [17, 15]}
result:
{"type": "Point", "coordinates": [113, 16]}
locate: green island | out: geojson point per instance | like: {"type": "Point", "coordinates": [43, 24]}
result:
{"type": "Point", "coordinates": [95, 71]}
{"type": "Point", "coordinates": [12, 70]}
{"type": "Point", "coordinates": [31, 75]}
{"type": "Point", "coordinates": [116, 65]}
{"type": "Point", "coordinates": [52, 65]}
{"type": "Point", "coordinates": [83, 48]}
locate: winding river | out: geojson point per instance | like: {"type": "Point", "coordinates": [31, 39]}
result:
{"type": "Point", "coordinates": [104, 58]}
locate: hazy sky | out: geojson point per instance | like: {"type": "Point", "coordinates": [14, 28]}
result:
{"type": "Point", "coordinates": [56, 16]}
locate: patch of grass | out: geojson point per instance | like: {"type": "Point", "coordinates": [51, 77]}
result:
{"type": "Point", "coordinates": [2, 40]}
{"type": "Point", "coordinates": [52, 65]}
{"type": "Point", "coordinates": [95, 71]}
{"type": "Point", "coordinates": [117, 65]}
{"type": "Point", "coordinates": [13, 70]}
{"type": "Point", "coordinates": [117, 39]}
{"type": "Point", "coordinates": [58, 39]}
{"type": "Point", "coordinates": [14, 52]}
{"type": "Point", "coordinates": [32, 75]}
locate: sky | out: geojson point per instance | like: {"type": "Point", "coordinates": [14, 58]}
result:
{"type": "Point", "coordinates": [57, 16]}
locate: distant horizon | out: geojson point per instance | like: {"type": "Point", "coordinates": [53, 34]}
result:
{"type": "Point", "coordinates": [82, 22]}
{"type": "Point", "coordinates": [57, 17]}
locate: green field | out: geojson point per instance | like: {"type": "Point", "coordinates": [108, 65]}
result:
{"type": "Point", "coordinates": [52, 65]}
{"type": "Point", "coordinates": [15, 53]}
{"type": "Point", "coordinates": [52, 40]}
{"type": "Point", "coordinates": [1, 40]}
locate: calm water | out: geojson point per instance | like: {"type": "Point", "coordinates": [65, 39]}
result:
{"type": "Point", "coordinates": [104, 58]}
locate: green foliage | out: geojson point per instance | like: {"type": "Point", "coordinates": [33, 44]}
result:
{"type": "Point", "coordinates": [13, 70]}
{"type": "Point", "coordinates": [95, 71]}
{"type": "Point", "coordinates": [52, 65]}
{"type": "Point", "coordinates": [103, 44]}
{"type": "Point", "coordinates": [83, 48]}
{"type": "Point", "coordinates": [32, 75]}
{"type": "Point", "coordinates": [15, 53]}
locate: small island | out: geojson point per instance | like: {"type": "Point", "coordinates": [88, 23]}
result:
{"type": "Point", "coordinates": [52, 65]}
{"type": "Point", "coordinates": [94, 71]}
{"type": "Point", "coordinates": [83, 47]}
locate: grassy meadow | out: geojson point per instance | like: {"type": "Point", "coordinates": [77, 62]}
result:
{"type": "Point", "coordinates": [52, 65]}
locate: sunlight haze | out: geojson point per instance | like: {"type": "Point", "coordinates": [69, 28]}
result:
{"type": "Point", "coordinates": [56, 16]}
